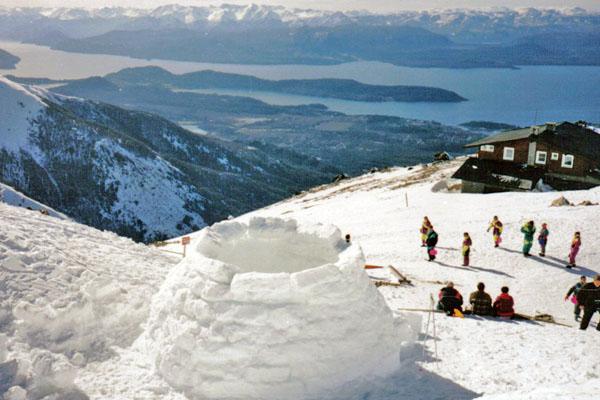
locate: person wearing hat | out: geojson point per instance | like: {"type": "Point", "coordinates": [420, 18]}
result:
{"type": "Point", "coordinates": [543, 239]}
{"type": "Point", "coordinates": [589, 298]}
{"type": "Point", "coordinates": [449, 299]}
{"type": "Point", "coordinates": [575, 245]}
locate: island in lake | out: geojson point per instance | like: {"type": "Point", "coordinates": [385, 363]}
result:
{"type": "Point", "coordinates": [344, 89]}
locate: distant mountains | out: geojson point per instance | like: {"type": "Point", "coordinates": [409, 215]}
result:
{"type": "Point", "coordinates": [330, 88]}
{"type": "Point", "coordinates": [133, 172]}
{"type": "Point", "coordinates": [276, 35]}
{"type": "Point", "coordinates": [7, 60]}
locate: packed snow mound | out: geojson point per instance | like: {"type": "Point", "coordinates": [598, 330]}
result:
{"type": "Point", "coordinates": [271, 310]}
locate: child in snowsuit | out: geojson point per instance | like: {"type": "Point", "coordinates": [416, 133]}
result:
{"type": "Point", "coordinates": [425, 229]}
{"type": "Point", "coordinates": [589, 297]}
{"type": "Point", "coordinates": [575, 245]}
{"type": "Point", "coordinates": [466, 248]}
{"type": "Point", "coordinates": [503, 306]}
{"type": "Point", "coordinates": [497, 228]}
{"type": "Point", "coordinates": [449, 299]}
{"type": "Point", "coordinates": [573, 291]}
{"type": "Point", "coordinates": [528, 231]}
{"type": "Point", "coordinates": [481, 302]}
{"type": "Point", "coordinates": [431, 242]}
{"type": "Point", "coordinates": [543, 239]}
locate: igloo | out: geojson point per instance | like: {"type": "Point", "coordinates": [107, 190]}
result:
{"type": "Point", "coordinates": [270, 310]}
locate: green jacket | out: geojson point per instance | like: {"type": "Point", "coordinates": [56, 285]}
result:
{"type": "Point", "coordinates": [528, 231]}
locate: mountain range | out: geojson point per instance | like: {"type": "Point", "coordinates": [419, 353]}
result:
{"type": "Point", "coordinates": [276, 35]}
{"type": "Point", "coordinates": [133, 172]}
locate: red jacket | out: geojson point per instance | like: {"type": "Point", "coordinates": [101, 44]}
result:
{"type": "Point", "coordinates": [504, 305]}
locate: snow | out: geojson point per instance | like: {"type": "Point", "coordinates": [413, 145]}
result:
{"type": "Point", "coordinates": [69, 294]}
{"type": "Point", "coordinates": [485, 355]}
{"type": "Point", "coordinates": [148, 190]}
{"type": "Point", "coordinates": [13, 197]}
{"type": "Point", "coordinates": [271, 310]}
{"type": "Point", "coordinates": [273, 305]}
{"type": "Point", "coordinates": [18, 107]}
{"type": "Point", "coordinates": [145, 188]}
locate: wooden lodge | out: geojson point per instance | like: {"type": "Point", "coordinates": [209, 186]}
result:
{"type": "Point", "coordinates": [565, 156]}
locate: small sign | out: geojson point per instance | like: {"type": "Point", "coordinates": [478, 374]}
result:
{"type": "Point", "coordinates": [185, 240]}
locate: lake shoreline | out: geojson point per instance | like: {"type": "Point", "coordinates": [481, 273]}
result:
{"type": "Point", "coordinates": [523, 96]}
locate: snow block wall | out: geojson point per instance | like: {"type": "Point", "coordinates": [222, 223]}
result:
{"type": "Point", "coordinates": [270, 310]}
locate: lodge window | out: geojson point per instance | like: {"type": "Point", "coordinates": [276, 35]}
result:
{"type": "Point", "coordinates": [554, 157]}
{"type": "Point", "coordinates": [509, 153]}
{"type": "Point", "coordinates": [540, 157]}
{"type": "Point", "coordinates": [487, 147]}
{"type": "Point", "coordinates": [567, 161]}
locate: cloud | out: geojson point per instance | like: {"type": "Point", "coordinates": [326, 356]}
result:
{"type": "Point", "coordinates": [371, 5]}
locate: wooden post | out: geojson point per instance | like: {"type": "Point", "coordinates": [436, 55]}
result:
{"type": "Point", "coordinates": [406, 198]}
{"type": "Point", "coordinates": [184, 242]}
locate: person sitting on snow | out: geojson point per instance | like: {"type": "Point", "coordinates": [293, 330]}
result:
{"type": "Point", "coordinates": [589, 297]}
{"type": "Point", "coordinates": [481, 302]}
{"type": "Point", "coordinates": [449, 299]}
{"type": "Point", "coordinates": [431, 242]}
{"type": "Point", "coordinates": [573, 291]}
{"type": "Point", "coordinates": [503, 306]}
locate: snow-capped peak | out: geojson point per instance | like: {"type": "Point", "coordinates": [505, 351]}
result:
{"type": "Point", "coordinates": [18, 107]}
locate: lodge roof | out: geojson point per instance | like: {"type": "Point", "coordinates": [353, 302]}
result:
{"type": "Point", "coordinates": [498, 173]}
{"type": "Point", "coordinates": [576, 138]}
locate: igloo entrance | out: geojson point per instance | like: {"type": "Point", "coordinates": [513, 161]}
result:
{"type": "Point", "coordinates": [270, 248]}
{"type": "Point", "coordinates": [270, 310]}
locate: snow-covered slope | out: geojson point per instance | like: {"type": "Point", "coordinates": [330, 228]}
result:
{"type": "Point", "coordinates": [68, 294]}
{"type": "Point", "coordinates": [482, 355]}
{"type": "Point", "coordinates": [13, 197]}
{"type": "Point", "coordinates": [18, 109]}
{"type": "Point", "coordinates": [133, 172]}
{"type": "Point", "coordinates": [82, 168]}
{"type": "Point", "coordinates": [51, 267]}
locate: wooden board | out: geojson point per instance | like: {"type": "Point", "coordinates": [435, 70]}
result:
{"type": "Point", "coordinates": [401, 278]}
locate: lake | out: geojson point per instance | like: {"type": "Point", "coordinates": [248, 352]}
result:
{"type": "Point", "coordinates": [532, 94]}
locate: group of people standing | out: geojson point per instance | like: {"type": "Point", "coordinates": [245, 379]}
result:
{"type": "Point", "coordinates": [429, 239]}
{"type": "Point", "coordinates": [585, 296]}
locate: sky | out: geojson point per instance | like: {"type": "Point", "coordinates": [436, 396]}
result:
{"type": "Point", "coordinates": [371, 5]}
